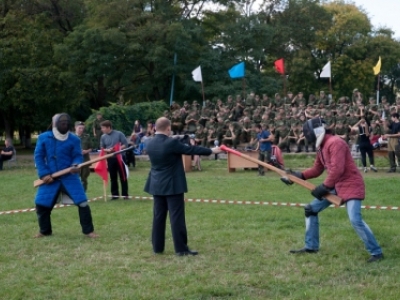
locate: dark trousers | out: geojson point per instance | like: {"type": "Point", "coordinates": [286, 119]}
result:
{"type": "Point", "coordinates": [43, 214]}
{"type": "Point", "coordinates": [4, 158]}
{"type": "Point", "coordinates": [176, 206]}
{"type": "Point", "coordinates": [364, 150]}
{"type": "Point", "coordinates": [264, 156]}
{"type": "Point", "coordinates": [115, 170]}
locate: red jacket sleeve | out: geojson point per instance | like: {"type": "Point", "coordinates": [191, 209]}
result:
{"type": "Point", "coordinates": [316, 170]}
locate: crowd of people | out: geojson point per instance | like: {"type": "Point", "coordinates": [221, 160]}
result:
{"type": "Point", "coordinates": [234, 122]}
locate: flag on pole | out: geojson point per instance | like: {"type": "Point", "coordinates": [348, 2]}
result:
{"type": "Point", "coordinates": [101, 167]}
{"type": "Point", "coordinates": [196, 74]}
{"type": "Point", "coordinates": [279, 66]}
{"type": "Point", "coordinates": [377, 68]}
{"type": "Point", "coordinates": [326, 71]}
{"type": "Point", "coordinates": [121, 163]}
{"type": "Point", "coordinates": [237, 71]}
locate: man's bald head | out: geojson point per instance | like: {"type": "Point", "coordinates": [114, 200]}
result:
{"type": "Point", "coordinates": [162, 125]}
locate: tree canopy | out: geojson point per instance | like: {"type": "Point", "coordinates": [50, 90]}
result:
{"type": "Point", "coordinates": [82, 55]}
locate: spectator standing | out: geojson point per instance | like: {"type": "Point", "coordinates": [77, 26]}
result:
{"type": "Point", "coordinates": [393, 136]}
{"type": "Point", "coordinates": [86, 146]}
{"type": "Point", "coordinates": [364, 144]}
{"type": "Point", "coordinates": [265, 139]}
{"type": "Point", "coordinates": [110, 141]}
{"type": "Point", "coordinates": [167, 184]}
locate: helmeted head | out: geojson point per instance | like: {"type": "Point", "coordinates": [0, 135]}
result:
{"type": "Point", "coordinates": [62, 122]}
{"type": "Point", "coordinates": [314, 131]}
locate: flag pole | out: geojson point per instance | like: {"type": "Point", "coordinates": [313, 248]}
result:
{"type": "Point", "coordinates": [202, 89]}
{"type": "Point", "coordinates": [377, 91]}
{"type": "Point", "coordinates": [284, 85]}
{"type": "Point", "coordinates": [105, 191]}
{"type": "Point", "coordinates": [330, 87]}
{"type": "Point", "coordinates": [244, 87]}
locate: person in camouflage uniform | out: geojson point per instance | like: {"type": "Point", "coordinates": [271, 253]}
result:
{"type": "Point", "coordinates": [97, 128]}
{"type": "Point", "coordinates": [282, 134]}
{"type": "Point", "coordinates": [246, 130]}
{"type": "Point", "coordinates": [266, 102]}
{"type": "Point", "coordinates": [200, 136]}
{"type": "Point", "coordinates": [323, 99]}
{"type": "Point", "coordinates": [372, 110]}
{"type": "Point", "coordinates": [176, 122]}
{"type": "Point", "coordinates": [329, 119]}
{"type": "Point", "coordinates": [341, 130]}
{"type": "Point", "coordinates": [192, 120]}
{"type": "Point", "coordinates": [278, 102]}
{"type": "Point", "coordinates": [232, 135]}
{"type": "Point", "coordinates": [86, 145]}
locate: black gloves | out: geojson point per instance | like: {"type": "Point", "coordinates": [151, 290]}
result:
{"type": "Point", "coordinates": [287, 181]}
{"type": "Point", "coordinates": [320, 191]}
{"type": "Point", "coordinates": [298, 174]}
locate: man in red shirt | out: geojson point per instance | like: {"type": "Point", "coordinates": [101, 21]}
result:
{"type": "Point", "coordinates": [343, 179]}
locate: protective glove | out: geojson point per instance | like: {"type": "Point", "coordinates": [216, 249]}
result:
{"type": "Point", "coordinates": [320, 191]}
{"type": "Point", "coordinates": [47, 179]}
{"type": "Point", "coordinates": [74, 169]}
{"type": "Point", "coordinates": [287, 181]}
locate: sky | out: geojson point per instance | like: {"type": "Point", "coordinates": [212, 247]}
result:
{"type": "Point", "coordinates": [382, 13]}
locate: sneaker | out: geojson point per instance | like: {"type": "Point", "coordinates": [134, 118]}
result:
{"type": "Point", "coordinates": [365, 170]}
{"type": "Point", "coordinates": [376, 257]}
{"type": "Point", "coordinates": [373, 168]}
{"type": "Point", "coordinates": [392, 171]}
{"type": "Point", "coordinates": [303, 250]}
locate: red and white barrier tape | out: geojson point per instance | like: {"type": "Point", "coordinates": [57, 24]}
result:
{"type": "Point", "coordinates": [213, 201]}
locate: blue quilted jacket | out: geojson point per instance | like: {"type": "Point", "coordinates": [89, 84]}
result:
{"type": "Point", "coordinates": [52, 155]}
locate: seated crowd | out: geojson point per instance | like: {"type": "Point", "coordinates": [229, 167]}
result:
{"type": "Point", "coordinates": [233, 122]}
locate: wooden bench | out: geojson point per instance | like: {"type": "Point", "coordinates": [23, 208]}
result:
{"type": "Point", "coordinates": [237, 162]}
{"type": "Point", "coordinates": [381, 153]}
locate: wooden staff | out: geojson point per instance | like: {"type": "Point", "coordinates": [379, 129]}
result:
{"type": "Point", "coordinates": [308, 185]}
{"type": "Point", "coordinates": [39, 182]}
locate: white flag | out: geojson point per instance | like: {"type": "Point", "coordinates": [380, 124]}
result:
{"type": "Point", "coordinates": [196, 73]}
{"type": "Point", "coordinates": [326, 71]}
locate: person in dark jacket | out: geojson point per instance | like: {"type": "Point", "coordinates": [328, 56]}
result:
{"type": "Point", "coordinates": [167, 184]}
{"type": "Point", "coordinates": [57, 150]}
{"type": "Point", "coordinates": [343, 179]}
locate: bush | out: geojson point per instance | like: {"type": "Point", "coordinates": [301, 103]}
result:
{"type": "Point", "coordinates": [123, 117]}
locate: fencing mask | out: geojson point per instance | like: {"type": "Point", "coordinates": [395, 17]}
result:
{"type": "Point", "coordinates": [314, 131]}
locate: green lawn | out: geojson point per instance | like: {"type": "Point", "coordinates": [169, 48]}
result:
{"type": "Point", "coordinates": [243, 248]}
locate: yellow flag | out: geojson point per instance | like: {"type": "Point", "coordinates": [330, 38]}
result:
{"type": "Point", "coordinates": [377, 68]}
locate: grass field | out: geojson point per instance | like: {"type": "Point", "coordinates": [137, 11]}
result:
{"type": "Point", "coordinates": [243, 248]}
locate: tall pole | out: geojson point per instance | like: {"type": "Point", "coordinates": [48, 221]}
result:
{"type": "Point", "coordinates": [202, 89]}
{"type": "Point", "coordinates": [377, 91]}
{"type": "Point", "coordinates": [330, 88]}
{"type": "Point", "coordinates": [173, 81]}
{"type": "Point", "coordinates": [284, 85]}
{"type": "Point", "coordinates": [244, 88]}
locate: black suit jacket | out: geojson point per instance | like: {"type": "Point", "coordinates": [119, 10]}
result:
{"type": "Point", "coordinates": [167, 175]}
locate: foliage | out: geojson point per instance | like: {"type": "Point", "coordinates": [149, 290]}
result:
{"type": "Point", "coordinates": [81, 55]}
{"type": "Point", "coordinates": [123, 117]}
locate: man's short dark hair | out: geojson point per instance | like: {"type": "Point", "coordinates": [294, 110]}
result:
{"type": "Point", "coordinates": [395, 115]}
{"type": "Point", "coordinates": [106, 123]}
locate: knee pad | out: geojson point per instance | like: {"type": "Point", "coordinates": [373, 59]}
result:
{"type": "Point", "coordinates": [83, 204]}
{"type": "Point", "coordinates": [308, 211]}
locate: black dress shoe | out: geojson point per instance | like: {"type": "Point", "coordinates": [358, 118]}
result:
{"type": "Point", "coordinates": [185, 253]}
{"type": "Point", "coordinates": [376, 257]}
{"type": "Point", "coordinates": [392, 171]}
{"type": "Point", "coordinates": [303, 250]}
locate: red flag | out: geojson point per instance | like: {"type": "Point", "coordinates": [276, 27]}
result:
{"type": "Point", "coordinates": [279, 66]}
{"type": "Point", "coordinates": [121, 164]}
{"type": "Point", "coordinates": [101, 167]}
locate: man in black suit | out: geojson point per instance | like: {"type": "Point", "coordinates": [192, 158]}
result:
{"type": "Point", "coordinates": [167, 184]}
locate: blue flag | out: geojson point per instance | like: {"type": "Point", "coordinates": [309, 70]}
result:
{"type": "Point", "coordinates": [237, 71]}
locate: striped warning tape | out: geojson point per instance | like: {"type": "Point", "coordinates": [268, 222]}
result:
{"type": "Point", "coordinates": [213, 201]}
